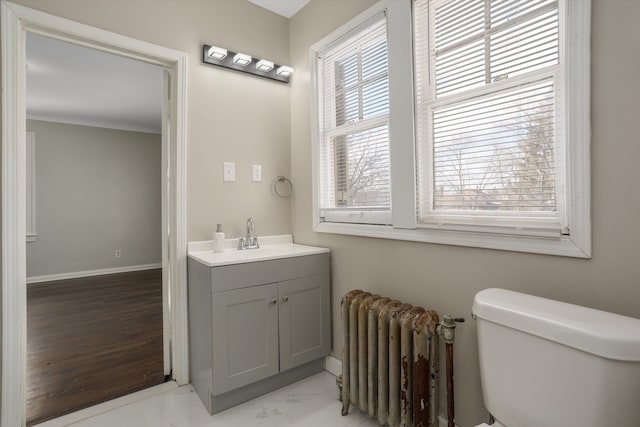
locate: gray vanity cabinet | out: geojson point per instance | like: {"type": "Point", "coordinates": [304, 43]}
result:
{"type": "Point", "coordinates": [257, 326]}
{"type": "Point", "coordinates": [245, 336]}
{"type": "Point", "coordinates": [303, 320]}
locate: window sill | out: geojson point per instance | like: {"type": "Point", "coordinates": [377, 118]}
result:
{"type": "Point", "coordinates": [560, 246]}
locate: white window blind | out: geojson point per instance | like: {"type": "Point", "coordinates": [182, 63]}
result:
{"type": "Point", "coordinates": [490, 138]}
{"type": "Point", "coordinates": [354, 176]}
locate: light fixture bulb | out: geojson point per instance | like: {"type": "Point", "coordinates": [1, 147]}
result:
{"type": "Point", "coordinates": [216, 52]}
{"type": "Point", "coordinates": [242, 59]}
{"type": "Point", "coordinates": [264, 65]}
{"type": "Point", "coordinates": [284, 71]}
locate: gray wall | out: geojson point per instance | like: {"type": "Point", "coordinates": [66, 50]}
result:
{"type": "Point", "coordinates": [97, 190]}
{"type": "Point", "coordinates": [447, 277]}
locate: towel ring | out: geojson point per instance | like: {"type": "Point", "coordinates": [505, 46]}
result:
{"type": "Point", "coordinates": [282, 178]}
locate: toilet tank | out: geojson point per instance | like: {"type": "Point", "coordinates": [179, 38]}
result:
{"type": "Point", "coordinates": [546, 363]}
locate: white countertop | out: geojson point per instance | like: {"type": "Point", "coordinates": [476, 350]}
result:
{"type": "Point", "coordinates": [271, 247]}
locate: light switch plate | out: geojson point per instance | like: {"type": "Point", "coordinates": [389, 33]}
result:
{"type": "Point", "coordinates": [257, 173]}
{"type": "Point", "coordinates": [229, 172]}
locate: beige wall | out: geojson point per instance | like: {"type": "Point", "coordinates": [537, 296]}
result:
{"type": "Point", "coordinates": [446, 277]}
{"type": "Point", "coordinates": [98, 190]}
{"type": "Point", "coordinates": [232, 117]}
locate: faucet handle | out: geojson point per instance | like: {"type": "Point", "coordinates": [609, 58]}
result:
{"type": "Point", "coordinates": [241, 243]}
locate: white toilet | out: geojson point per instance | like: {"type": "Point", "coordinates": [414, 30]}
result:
{"type": "Point", "coordinates": [545, 363]}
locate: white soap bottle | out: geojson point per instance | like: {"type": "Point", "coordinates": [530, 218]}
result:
{"type": "Point", "coordinates": [218, 239]}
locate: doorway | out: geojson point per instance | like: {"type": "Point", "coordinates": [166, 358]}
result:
{"type": "Point", "coordinates": [94, 242]}
{"type": "Point", "coordinates": [17, 21]}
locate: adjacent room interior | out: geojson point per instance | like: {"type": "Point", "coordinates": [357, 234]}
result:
{"type": "Point", "coordinates": [94, 259]}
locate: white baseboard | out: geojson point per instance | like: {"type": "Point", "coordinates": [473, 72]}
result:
{"type": "Point", "coordinates": [110, 405]}
{"type": "Point", "coordinates": [333, 365]}
{"type": "Point", "coordinates": [78, 274]}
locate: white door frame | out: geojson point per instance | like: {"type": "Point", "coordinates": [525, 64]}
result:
{"type": "Point", "coordinates": [16, 21]}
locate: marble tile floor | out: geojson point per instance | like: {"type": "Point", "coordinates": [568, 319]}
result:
{"type": "Point", "coordinates": [312, 402]}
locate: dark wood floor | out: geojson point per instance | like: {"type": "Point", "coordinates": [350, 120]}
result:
{"type": "Point", "coordinates": [92, 339]}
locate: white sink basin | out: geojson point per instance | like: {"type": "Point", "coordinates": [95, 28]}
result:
{"type": "Point", "coordinates": [271, 247]}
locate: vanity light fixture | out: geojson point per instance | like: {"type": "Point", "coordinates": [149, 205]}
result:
{"type": "Point", "coordinates": [214, 55]}
{"type": "Point", "coordinates": [242, 59]}
{"type": "Point", "coordinates": [264, 65]}
{"type": "Point", "coordinates": [284, 70]}
{"type": "Point", "coordinates": [216, 52]}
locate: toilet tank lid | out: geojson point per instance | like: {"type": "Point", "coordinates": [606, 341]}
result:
{"type": "Point", "coordinates": [598, 332]}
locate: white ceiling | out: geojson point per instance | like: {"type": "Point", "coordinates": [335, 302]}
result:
{"type": "Point", "coordinates": [73, 84]}
{"type": "Point", "coordinates": [286, 8]}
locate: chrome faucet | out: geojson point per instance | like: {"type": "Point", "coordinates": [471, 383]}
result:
{"type": "Point", "coordinates": [250, 241]}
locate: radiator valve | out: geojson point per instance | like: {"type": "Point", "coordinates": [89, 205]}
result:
{"type": "Point", "coordinates": [447, 328]}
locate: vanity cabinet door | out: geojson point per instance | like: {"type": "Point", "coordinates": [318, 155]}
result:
{"type": "Point", "coordinates": [245, 336]}
{"type": "Point", "coordinates": [304, 320]}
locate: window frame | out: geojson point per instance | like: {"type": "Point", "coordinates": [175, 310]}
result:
{"type": "Point", "coordinates": [576, 19]}
{"type": "Point", "coordinates": [535, 223]}
{"type": "Point", "coordinates": [361, 215]}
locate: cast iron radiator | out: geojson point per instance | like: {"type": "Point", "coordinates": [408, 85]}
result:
{"type": "Point", "coordinates": [390, 360]}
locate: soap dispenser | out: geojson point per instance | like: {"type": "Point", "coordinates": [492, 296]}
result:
{"type": "Point", "coordinates": [218, 239]}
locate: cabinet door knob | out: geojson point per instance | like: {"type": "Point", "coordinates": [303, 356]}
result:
{"type": "Point", "coordinates": [274, 301]}
{"type": "Point", "coordinates": [285, 299]}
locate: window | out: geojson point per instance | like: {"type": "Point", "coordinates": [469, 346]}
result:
{"type": "Point", "coordinates": [354, 126]}
{"type": "Point", "coordinates": [484, 143]}
{"type": "Point", "coordinates": [489, 122]}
